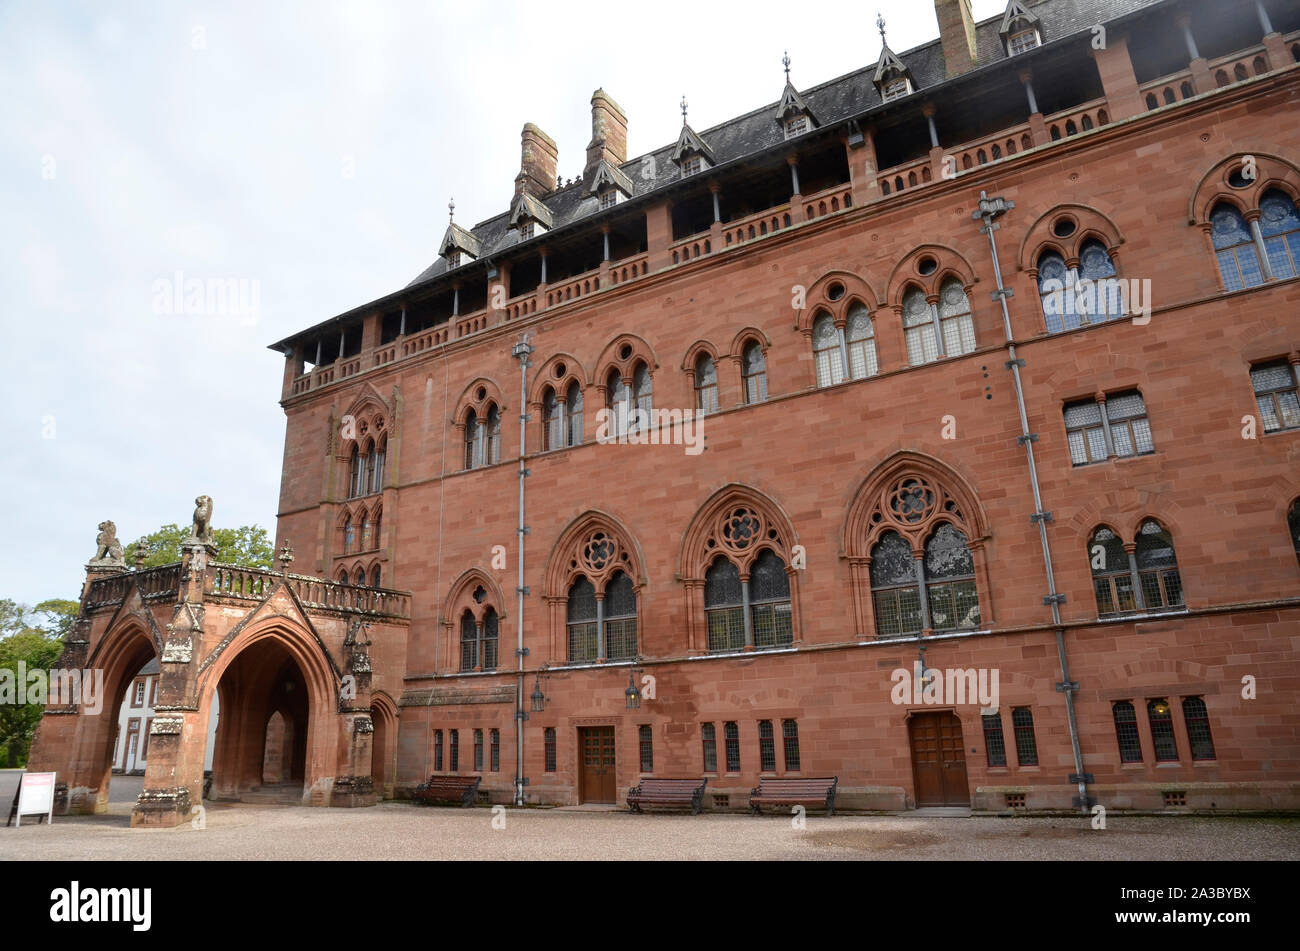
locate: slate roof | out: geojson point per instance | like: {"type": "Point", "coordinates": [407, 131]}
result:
{"type": "Point", "coordinates": [831, 102]}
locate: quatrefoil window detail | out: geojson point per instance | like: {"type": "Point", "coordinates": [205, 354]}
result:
{"type": "Point", "coordinates": [741, 528]}
{"type": "Point", "coordinates": [912, 501]}
{"type": "Point", "coordinates": [599, 551]}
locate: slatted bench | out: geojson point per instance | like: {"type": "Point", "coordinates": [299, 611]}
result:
{"type": "Point", "coordinates": [462, 789]}
{"type": "Point", "coordinates": [668, 792]}
{"type": "Point", "coordinates": [816, 793]}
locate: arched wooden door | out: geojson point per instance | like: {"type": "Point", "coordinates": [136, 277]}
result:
{"type": "Point", "coordinates": [938, 759]}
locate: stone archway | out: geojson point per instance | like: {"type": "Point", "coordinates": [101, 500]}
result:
{"type": "Point", "coordinates": [275, 740]}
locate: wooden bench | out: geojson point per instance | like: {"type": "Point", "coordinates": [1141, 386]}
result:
{"type": "Point", "coordinates": [817, 793]}
{"type": "Point", "coordinates": [668, 792]}
{"type": "Point", "coordinates": [461, 789]}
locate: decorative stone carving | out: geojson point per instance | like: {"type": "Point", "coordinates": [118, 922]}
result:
{"type": "Point", "coordinates": [108, 550]}
{"type": "Point", "coordinates": [167, 726]}
{"type": "Point", "coordinates": [201, 532]}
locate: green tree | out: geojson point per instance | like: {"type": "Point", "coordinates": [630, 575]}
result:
{"type": "Point", "coordinates": [247, 546]}
{"type": "Point", "coordinates": [33, 636]}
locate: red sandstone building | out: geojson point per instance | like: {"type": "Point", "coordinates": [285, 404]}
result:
{"type": "Point", "coordinates": [997, 347]}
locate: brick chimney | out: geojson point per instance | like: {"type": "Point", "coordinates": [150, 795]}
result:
{"type": "Point", "coordinates": [957, 32]}
{"type": "Point", "coordinates": [538, 163]}
{"type": "Point", "coordinates": [608, 131]}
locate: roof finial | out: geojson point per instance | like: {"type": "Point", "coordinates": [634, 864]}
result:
{"type": "Point", "coordinates": [683, 108]}
{"type": "Point", "coordinates": [880, 25]}
{"type": "Point", "coordinates": [451, 211]}
{"type": "Point", "coordinates": [785, 61]}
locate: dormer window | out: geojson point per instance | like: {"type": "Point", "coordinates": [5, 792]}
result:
{"type": "Point", "coordinates": [453, 260]}
{"type": "Point", "coordinates": [692, 165]}
{"type": "Point", "coordinates": [608, 198]}
{"type": "Point", "coordinates": [1023, 41]}
{"type": "Point", "coordinates": [895, 89]}
{"type": "Point", "coordinates": [526, 230]}
{"type": "Point", "coordinates": [796, 125]}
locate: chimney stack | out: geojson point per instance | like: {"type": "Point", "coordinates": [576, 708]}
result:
{"type": "Point", "coordinates": [957, 33]}
{"type": "Point", "coordinates": [538, 163]}
{"type": "Point", "coordinates": [608, 131]}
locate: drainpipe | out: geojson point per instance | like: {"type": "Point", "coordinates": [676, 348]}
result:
{"type": "Point", "coordinates": [990, 210]}
{"type": "Point", "coordinates": [521, 352]}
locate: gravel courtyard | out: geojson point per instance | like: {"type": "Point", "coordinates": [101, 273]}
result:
{"type": "Point", "coordinates": [396, 830]}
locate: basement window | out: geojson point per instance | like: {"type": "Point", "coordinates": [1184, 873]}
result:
{"type": "Point", "coordinates": [1023, 42]}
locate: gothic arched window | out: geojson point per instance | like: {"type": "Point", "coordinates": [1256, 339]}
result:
{"type": "Point", "coordinates": [950, 581]}
{"type": "Point", "coordinates": [617, 396]}
{"type": "Point", "coordinates": [918, 328]}
{"type": "Point", "coordinates": [349, 536]}
{"type": "Point", "coordinates": [826, 351]}
{"type": "Point", "coordinates": [376, 576]}
{"type": "Point", "coordinates": [581, 612]}
{"type": "Point", "coordinates": [724, 606]}
{"type": "Point", "coordinates": [491, 632]}
{"type": "Point", "coordinates": [492, 452]}
{"type": "Point", "coordinates": [620, 618]}
{"type": "Point", "coordinates": [355, 474]}
{"type": "Point", "coordinates": [473, 442]}
{"type": "Point", "coordinates": [642, 394]}
{"type": "Point", "coordinates": [861, 343]}
{"type": "Point", "coordinates": [552, 421]}
{"type": "Point", "coordinates": [377, 458]}
{"type": "Point", "coordinates": [469, 656]}
{"type": "Point", "coordinates": [706, 384]}
{"type": "Point", "coordinates": [1157, 567]}
{"type": "Point", "coordinates": [895, 588]}
{"type": "Point", "coordinates": [753, 370]}
{"type": "Point", "coordinates": [769, 599]}
{"type": "Point", "coordinates": [1293, 522]}
{"type": "Point", "coordinates": [367, 536]}
{"type": "Point", "coordinates": [573, 410]}
{"type": "Point", "coordinates": [955, 319]}
{"type": "Point", "coordinates": [1112, 575]}
{"type": "Point", "coordinates": [1234, 246]}
{"type": "Point", "coordinates": [1279, 225]}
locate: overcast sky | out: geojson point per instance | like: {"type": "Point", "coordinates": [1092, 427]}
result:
{"type": "Point", "coordinates": [308, 149]}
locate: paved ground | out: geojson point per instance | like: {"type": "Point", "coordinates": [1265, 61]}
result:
{"type": "Point", "coordinates": [401, 831]}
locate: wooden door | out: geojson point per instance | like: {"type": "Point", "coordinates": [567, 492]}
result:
{"type": "Point", "coordinates": [938, 760]}
{"type": "Point", "coordinates": [596, 780]}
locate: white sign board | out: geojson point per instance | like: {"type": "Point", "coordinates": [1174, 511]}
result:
{"type": "Point", "coordinates": [36, 796]}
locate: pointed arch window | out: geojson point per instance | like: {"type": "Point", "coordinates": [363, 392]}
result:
{"type": "Point", "coordinates": [360, 578]}
{"type": "Point", "coordinates": [950, 581]}
{"type": "Point", "coordinates": [376, 576]}
{"type": "Point", "coordinates": [1081, 296]}
{"type": "Point", "coordinates": [468, 642]}
{"type": "Point", "coordinates": [724, 606]}
{"type": "Point", "coordinates": [895, 590]}
{"type": "Point", "coordinates": [489, 639]}
{"type": "Point", "coordinates": [643, 396]}
{"type": "Point", "coordinates": [617, 396]}
{"type": "Point", "coordinates": [919, 328]}
{"type": "Point", "coordinates": [754, 373]}
{"type": "Point", "coordinates": [826, 351]}
{"type": "Point", "coordinates": [552, 420]}
{"type": "Point", "coordinates": [473, 442]}
{"type": "Point", "coordinates": [582, 613]}
{"type": "Point", "coordinates": [367, 534]}
{"type": "Point", "coordinates": [356, 474]}
{"type": "Point", "coordinates": [955, 320]}
{"type": "Point", "coordinates": [1279, 226]}
{"type": "Point", "coordinates": [1113, 579]}
{"type": "Point", "coordinates": [769, 590]}
{"type": "Point", "coordinates": [706, 384]}
{"type": "Point", "coordinates": [1235, 249]}
{"type": "Point", "coordinates": [573, 412]}
{"type": "Point", "coordinates": [620, 618]}
{"type": "Point", "coordinates": [368, 480]}
{"type": "Point", "coordinates": [1293, 523]}
{"type": "Point", "coordinates": [1157, 566]}
{"type": "Point", "coordinates": [861, 343]}
{"type": "Point", "coordinates": [492, 449]}
{"type": "Point", "coordinates": [349, 537]}
{"type": "Point", "coordinates": [378, 456]}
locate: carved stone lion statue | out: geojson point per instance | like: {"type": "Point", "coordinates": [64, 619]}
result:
{"type": "Point", "coordinates": [108, 549]}
{"type": "Point", "coordinates": [202, 529]}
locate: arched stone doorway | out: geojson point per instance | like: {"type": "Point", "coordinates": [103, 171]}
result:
{"type": "Point", "coordinates": [265, 731]}
{"type": "Point", "coordinates": [122, 655]}
{"type": "Point", "coordinates": [383, 714]}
